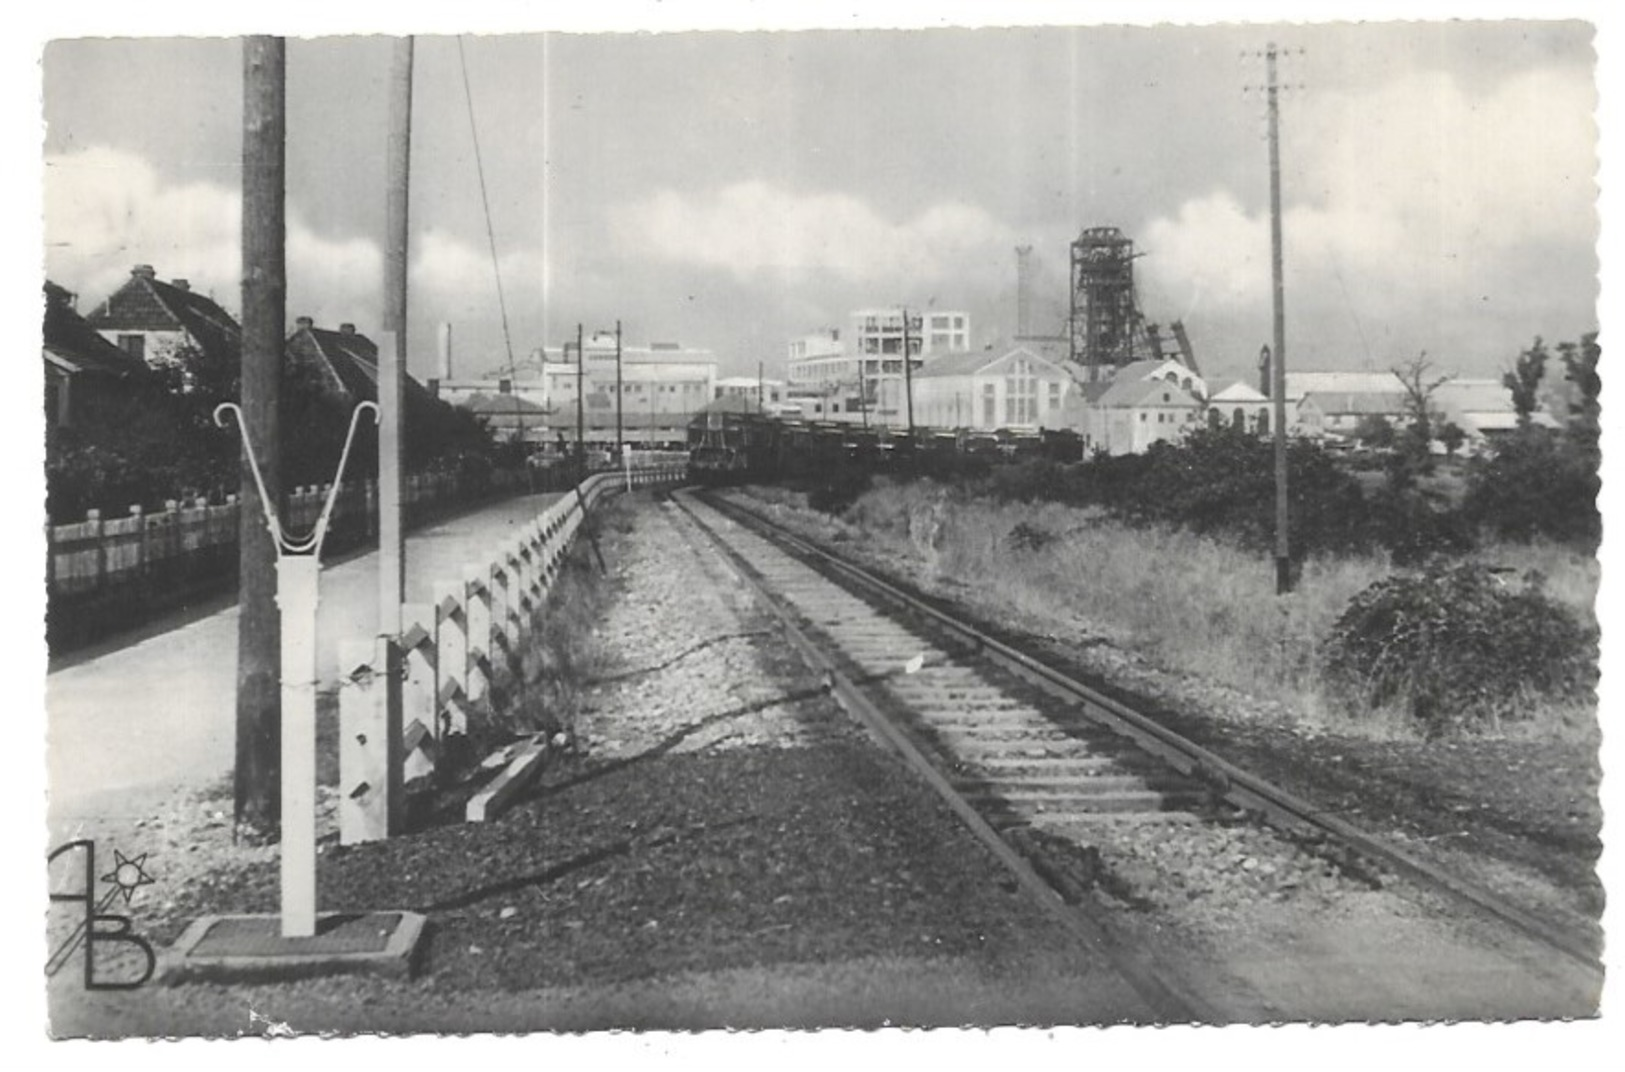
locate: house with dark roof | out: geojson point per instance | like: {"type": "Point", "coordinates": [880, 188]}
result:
{"type": "Point", "coordinates": [80, 365]}
{"type": "Point", "coordinates": [157, 322]}
{"type": "Point", "coordinates": [344, 365]}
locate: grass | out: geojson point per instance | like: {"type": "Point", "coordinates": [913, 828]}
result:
{"type": "Point", "coordinates": [564, 649]}
{"type": "Point", "coordinates": [1186, 603]}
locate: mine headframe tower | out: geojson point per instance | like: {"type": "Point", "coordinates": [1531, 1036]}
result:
{"type": "Point", "coordinates": [1105, 330]}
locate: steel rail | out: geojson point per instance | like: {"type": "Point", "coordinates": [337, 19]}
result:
{"type": "Point", "coordinates": [1168, 1001]}
{"type": "Point", "coordinates": [1232, 784]}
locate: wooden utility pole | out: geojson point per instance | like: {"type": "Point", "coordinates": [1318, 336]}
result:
{"type": "Point", "coordinates": [863, 389]}
{"type": "Point", "coordinates": [1283, 551]}
{"type": "Point", "coordinates": [908, 375]}
{"type": "Point", "coordinates": [620, 393]}
{"type": "Point", "coordinates": [581, 409]}
{"type": "Point", "coordinates": [392, 358]}
{"type": "Point", "coordinates": [259, 648]}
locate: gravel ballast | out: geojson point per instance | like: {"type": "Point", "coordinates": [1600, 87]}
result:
{"type": "Point", "coordinates": [724, 842]}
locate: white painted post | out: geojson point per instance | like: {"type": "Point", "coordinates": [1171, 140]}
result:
{"type": "Point", "coordinates": [477, 608]}
{"type": "Point", "coordinates": [501, 589]}
{"type": "Point", "coordinates": [626, 464]}
{"type": "Point", "coordinates": [296, 596]}
{"type": "Point", "coordinates": [451, 658]}
{"type": "Point", "coordinates": [417, 644]}
{"type": "Point", "coordinates": [369, 754]}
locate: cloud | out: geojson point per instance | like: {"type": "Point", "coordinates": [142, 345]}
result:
{"type": "Point", "coordinates": [751, 228]}
{"type": "Point", "coordinates": [106, 210]}
{"type": "Point", "coordinates": [1419, 199]}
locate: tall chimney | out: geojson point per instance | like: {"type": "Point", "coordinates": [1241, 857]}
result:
{"type": "Point", "coordinates": [445, 350]}
{"type": "Point", "coordinates": [1264, 380]}
{"type": "Point", "coordinates": [346, 329]}
{"type": "Point", "coordinates": [304, 322]}
{"type": "Point", "coordinates": [144, 271]}
{"type": "Point", "coordinates": [1023, 290]}
{"type": "Point", "coordinates": [181, 284]}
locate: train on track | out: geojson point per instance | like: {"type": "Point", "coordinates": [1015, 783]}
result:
{"type": "Point", "coordinates": [734, 445]}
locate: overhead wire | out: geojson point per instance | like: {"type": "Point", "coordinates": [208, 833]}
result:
{"type": "Point", "coordinates": [491, 239]}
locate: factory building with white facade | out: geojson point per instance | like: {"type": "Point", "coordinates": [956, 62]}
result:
{"type": "Point", "coordinates": [861, 377]}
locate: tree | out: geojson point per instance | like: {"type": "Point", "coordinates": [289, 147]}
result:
{"type": "Point", "coordinates": [1452, 435]}
{"type": "Point", "coordinates": [1375, 431]}
{"type": "Point", "coordinates": [1585, 414]}
{"type": "Point", "coordinates": [1524, 381]}
{"type": "Point", "coordinates": [1415, 457]}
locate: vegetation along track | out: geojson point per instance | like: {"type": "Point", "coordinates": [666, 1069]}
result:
{"type": "Point", "coordinates": [1029, 777]}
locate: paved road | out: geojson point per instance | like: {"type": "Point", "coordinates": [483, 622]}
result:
{"type": "Point", "coordinates": [158, 710]}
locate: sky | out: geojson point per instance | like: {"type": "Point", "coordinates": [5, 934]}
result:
{"type": "Point", "coordinates": [731, 190]}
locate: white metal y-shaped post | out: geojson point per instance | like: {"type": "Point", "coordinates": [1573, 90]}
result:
{"type": "Point", "coordinates": [298, 578]}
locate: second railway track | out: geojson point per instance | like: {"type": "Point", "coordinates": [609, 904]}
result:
{"type": "Point", "coordinates": [1038, 765]}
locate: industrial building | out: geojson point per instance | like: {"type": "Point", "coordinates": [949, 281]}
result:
{"type": "Point", "coordinates": [645, 395]}
{"type": "Point", "coordinates": [861, 378]}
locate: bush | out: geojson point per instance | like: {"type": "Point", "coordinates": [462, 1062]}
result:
{"type": "Point", "coordinates": [839, 490]}
{"type": "Point", "coordinates": [1415, 526]}
{"type": "Point", "coordinates": [1458, 647]}
{"type": "Point", "coordinates": [1537, 484]}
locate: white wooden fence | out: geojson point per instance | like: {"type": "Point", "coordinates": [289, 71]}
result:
{"type": "Point", "coordinates": [457, 658]}
{"type": "Point", "coordinates": [101, 553]}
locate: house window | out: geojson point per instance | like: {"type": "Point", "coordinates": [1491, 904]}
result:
{"type": "Point", "coordinates": [1263, 422]}
{"type": "Point", "coordinates": [134, 345]}
{"type": "Point", "coordinates": [1142, 417]}
{"type": "Point", "coordinates": [990, 414]}
{"type": "Point", "coordinates": [1054, 396]}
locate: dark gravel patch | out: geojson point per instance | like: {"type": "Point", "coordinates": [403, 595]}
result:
{"type": "Point", "coordinates": [683, 862]}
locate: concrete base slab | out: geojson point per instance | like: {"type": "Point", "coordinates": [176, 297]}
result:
{"type": "Point", "coordinates": [250, 948]}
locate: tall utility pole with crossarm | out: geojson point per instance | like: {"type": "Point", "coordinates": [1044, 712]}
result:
{"type": "Point", "coordinates": [1283, 549]}
{"type": "Point", "coordinates": [259, 645]}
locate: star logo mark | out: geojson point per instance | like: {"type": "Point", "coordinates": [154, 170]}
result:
{"type": "Point", "coordinates": [128, 875]}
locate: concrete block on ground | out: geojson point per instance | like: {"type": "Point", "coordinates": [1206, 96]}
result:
{"type": "Point", "coordinates": [491, 801]}
{"type": "Point", "coordinates": [250, 948]}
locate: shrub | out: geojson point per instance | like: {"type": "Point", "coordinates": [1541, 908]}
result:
{"type": "Point", "coordinates": [1415, 526]}
{"type": "Point", "coordinates": [1537, 484]}
{"type": "Point", "coordinates": [1458, 647]}
{"type": "Point", "coordinates": [1026, 536]}
{"type": "Point", "coordinates": [839, 490]}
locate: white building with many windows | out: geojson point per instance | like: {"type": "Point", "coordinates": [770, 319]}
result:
{"type": "Point", "coordinates": [661, 386]}
{"type": "Point", "coordinates": [862, 378]}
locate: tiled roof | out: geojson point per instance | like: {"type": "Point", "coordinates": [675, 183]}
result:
{"type": "Point", "coordinates": [1299, 384]}
{"type": "Point", "coordinates": [500, 405]}
{"type": "Point", "coordinates": [347, 361]}
{"type": "Point", "coordinates": [1481, 396]}
{"type": "Point", "coordinates": [1239, 391]}
{"type": "Point", "coordinates": [730, 404]}
{"type": "Point", "coordinates": [68, 336]}
{"type": "Point", "coordinates": [970, 362]}
{"type": "Point", "coordinates": [145, 303]}
{"type": "Point", "coordinates": [1357, 403]}
{"type": "Point", "coordinates": [1140, 392]}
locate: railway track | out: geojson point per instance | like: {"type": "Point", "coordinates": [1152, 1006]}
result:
{"type": "Point", "coordinates": [1033, 761]}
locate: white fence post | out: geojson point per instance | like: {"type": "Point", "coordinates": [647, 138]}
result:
{"type": "Point", "coordinates": [370, 759]}
{"type": "Point", "coordinates": [451, 659]}
{"type": "Point", "coordinates": [477, 607]}
{"type": "Point", "coordinates": [418, 692]}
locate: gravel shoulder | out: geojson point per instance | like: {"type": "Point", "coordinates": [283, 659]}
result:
{"type": "Point", "coordinates": [725, 848]}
